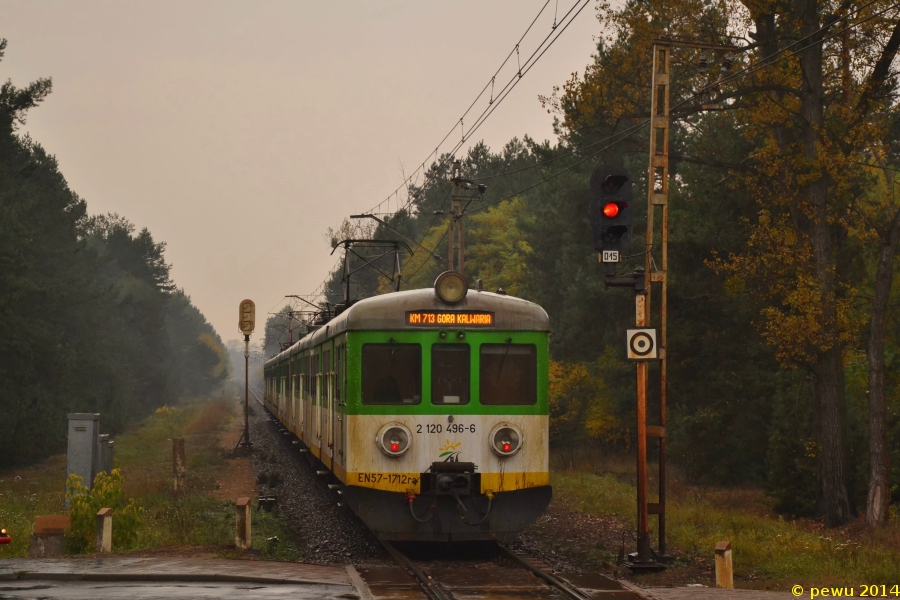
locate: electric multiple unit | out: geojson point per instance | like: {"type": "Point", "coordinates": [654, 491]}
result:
{"type": "Point", "coordinates": [430, 407]}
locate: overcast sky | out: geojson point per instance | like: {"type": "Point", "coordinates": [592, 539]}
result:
{"type": "Point", "coordinates": [238, 132]}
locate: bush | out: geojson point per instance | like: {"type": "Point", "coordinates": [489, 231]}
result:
{"type": "Point", "coordinates": [84, 505]}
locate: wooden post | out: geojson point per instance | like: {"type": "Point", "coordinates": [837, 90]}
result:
{"type": "Point", "coordinates": [178, 465]}
{"type": "Point", "coordinates": [724, 567]}
{"type": "Point", "coordinates": [104, 530]}
{"type": "Point", "coordinates": [643, 536]}
{"type": "Point", "coordinates": [242, 537]}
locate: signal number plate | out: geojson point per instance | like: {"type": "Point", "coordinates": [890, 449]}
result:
{"type": "Point", "coordinates": [610, 256]}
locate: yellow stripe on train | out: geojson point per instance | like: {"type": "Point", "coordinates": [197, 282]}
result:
{"type": "Point", "coordinates": [410, 482]}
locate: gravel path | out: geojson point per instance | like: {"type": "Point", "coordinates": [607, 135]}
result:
{"type": "Point", "coordinates": [325, 533]}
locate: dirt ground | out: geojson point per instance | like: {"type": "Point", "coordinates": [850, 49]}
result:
{"type": "Point", "coordinates": [574, 541]}
{"type": "Point", "coordinates": [240, 480]}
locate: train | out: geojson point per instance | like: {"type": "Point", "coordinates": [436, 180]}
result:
{"type": "Point", "coordinates": [428, 407]}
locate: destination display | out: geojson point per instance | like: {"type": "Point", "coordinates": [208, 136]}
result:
{"type": "Point", "coordinates": [428, 318]}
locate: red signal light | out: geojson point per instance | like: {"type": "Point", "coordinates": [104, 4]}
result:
{"type": "Point", "coordinates": [611, 209]}
{"type": "Point", "coordinates": [507, 447]}
{"type": "Point", "coordinates": [395, 447]}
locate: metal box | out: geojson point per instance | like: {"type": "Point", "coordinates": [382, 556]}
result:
{"type": "Point", "coordinates": [83, 459]}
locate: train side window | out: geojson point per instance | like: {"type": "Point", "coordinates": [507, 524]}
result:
{"type": "Point", "coordinates": [508, 374]}
{"type": "Point", "coordinates": [391, 374]}
{"type": "Point", "coordinates": [450, 374]}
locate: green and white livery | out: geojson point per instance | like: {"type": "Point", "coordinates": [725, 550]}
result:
{"type": "Point", "coordinates": [433, 414]}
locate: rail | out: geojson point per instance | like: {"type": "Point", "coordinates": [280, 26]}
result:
{"type": "Point", "coordinates": [569, 590]}
{"type": "Point", "coordinates": [436, 591]}
{"type": "Point", "coordinates": [431, 588]}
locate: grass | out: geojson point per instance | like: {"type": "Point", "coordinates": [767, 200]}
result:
{"type": "Point", "coordinates": [196, 519]}
{"type": "Point", "coordinates": [26, 493]}
{"type": "Point", "coordinates": [768, 550]}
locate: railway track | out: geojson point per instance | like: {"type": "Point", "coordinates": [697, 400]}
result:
{"type": "Point", "coordinates": [492, 571]}
{"type": "Point", "coordinates": [475, 570]}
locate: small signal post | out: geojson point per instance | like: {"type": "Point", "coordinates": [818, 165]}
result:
{"type": "Point", "coordinates": [246, 323]}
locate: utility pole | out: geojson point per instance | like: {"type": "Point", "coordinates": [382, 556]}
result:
{"type": "Point", "coordinates": [657, 197]}
{"type": "Point", "coordinates": [456, 238]}
{"type": "Point", "coordinates": [290, 328]}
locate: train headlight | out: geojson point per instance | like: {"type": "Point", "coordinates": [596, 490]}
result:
{"type": "Point", "coordinates": [506, 439]}
{"type": "Point", "coordinates": [393, 439]}
{"type": "Point", "coordinates": [450, 287]}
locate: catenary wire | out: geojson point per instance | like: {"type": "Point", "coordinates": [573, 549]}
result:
{"type": "Point", "coordinates": [460, 120]}
{"type": "Point", "coordinates": [507, 89]}
{"type": "Point", "coordinates": [703, 91]}
{"type": "Point", "coordinates": [750, 69]}
{"type": "Point", "coordinates": [753, 68]}
{"type": "Point", "coordinates": [530, 62]}
{"type": "Point", "coordinates": [503, 93]}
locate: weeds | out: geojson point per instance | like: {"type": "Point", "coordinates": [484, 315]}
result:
{"type": "Point", "coordinates": [84, 505]}
{"type": "Point", "coordinates": [766, 546]}
{"type": "Point", "coordinates": [144, 456]}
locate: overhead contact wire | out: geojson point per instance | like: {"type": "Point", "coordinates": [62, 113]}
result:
{"type": "Point", "coordinates": [449, 133]}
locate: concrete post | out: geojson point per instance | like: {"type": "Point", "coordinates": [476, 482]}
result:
{"type": "Point", "coordinates": [242, 537]}
{"type": "Point", "coordinates": [104, 530]}
{"type": "Point", "coordinates": [724, 567]}
{"type": "Point", "coordinates": [178, 465]}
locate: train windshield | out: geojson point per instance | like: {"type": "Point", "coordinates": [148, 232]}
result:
{"type": "Point", "coordinates": [391, 374]}
{"type": "Point", "coordinates": [450, 374]}
{"type": "Point", "coordinates": [508, 374]}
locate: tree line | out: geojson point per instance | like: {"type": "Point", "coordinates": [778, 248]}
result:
{"type": "Point", "coordinates": [784, 226]}
{"type": "Point", "coordinates": [91, 320]}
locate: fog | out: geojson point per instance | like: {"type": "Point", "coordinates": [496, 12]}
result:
{"type": "Point", "coordinates": [238, 132]}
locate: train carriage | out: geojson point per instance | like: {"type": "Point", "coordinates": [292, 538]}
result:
{"type": "Point", "coordinates": [431, 410]}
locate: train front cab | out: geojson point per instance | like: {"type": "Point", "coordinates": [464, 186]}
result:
{"type": "Point", "coordinates": [448, 432]}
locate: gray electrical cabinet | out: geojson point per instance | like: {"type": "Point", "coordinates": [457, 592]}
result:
{"type": "Point", "coordinates": [103, 454]}
{"type": "Point", "coordinates": [83, 455]}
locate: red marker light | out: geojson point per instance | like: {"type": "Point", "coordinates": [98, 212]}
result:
{"type": "Point", "coordinates": [611, 209]}
{"type": "Point", "coordinates": [507, 446]}
{"type": "Point", "coordinates": [395, 447]}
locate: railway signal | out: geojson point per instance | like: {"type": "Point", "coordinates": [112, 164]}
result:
{"type": "Point", "coordinates": [611, 216]}
{"type": "Point", "coordinates": [246, 323]}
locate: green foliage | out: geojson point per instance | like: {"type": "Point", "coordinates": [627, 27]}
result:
{"type": "Point", "coordinates": [499, 252]}
{"type": "Point", "coordinates": [581, 406]}
{"type": "Point", "coordinates": [91, 319]}
{"type": "Point", "coordinates": [84, 505]}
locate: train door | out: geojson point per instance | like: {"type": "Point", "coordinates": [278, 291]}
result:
{"type": "Point", "coordinates": [327, 373]}
{"type": "Point", "coordinates": [279, 412]}
{"type": "Point", "coordinates": [288, 391]}
{"type": "Point", "coordinates": [295, 391]}
{"type": "Point", "coordinates": [283, 395]}
{"type": "Point", "coordinates": [300, 399]}
{"type": "Point", "coordinates": [340, 359]}
{"type": "Point", "coordinates": [331, 403]}
{"type": "Point", "coordinates": [317, 394]}
{"type": "Point", "coordinates": [307, 400]}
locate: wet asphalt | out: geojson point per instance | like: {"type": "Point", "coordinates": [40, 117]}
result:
{"type": "Point", "coordinates": [85, 590]}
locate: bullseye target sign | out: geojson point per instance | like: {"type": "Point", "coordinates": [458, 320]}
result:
{"type": "Point", "coordinates": [641, 344]}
